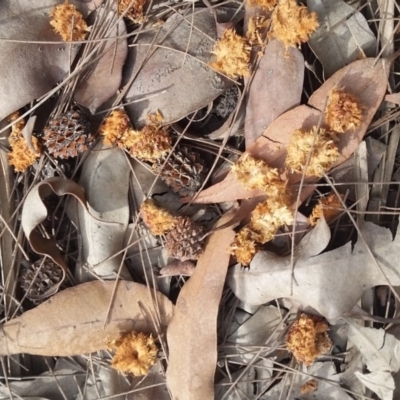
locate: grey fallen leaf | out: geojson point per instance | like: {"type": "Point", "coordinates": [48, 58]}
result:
{"type": "Point", "coordinates": [342, 37]}
{"type": "Point", "coordinates": [65, 379]}
{"type": "Point", "coordinates": [105, 179]}
{"type": "Point", "coordinates": [328, 387]}
{"type": "Point", "coordinates": [332, 282]}
{"type": "Point", "coordinates": [30, 70]}
{"type": "Point", "coordinates": [260, 329]}
{"type": "Point", "coordinates": [380, 382]}
{"type": "Point", "coordinates": [103, 78]}
{"type": "Point", "coordinates": [380, 350]}
{"type": "Point", "coordinates": [171, 67]}
{"type": "Point", "coordinates": [248, 384]}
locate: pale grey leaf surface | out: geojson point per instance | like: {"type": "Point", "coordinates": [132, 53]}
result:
{"type": "Point", "coordinates": [380, 350]}
{"type": "Point", "coordinates": [105, 179]}
{"type": "Point", "coordinates": [380, 382]}
{"type": "Point", "coordinates": [342, 37]}
{"type": "Point", "coordinates": [328, 387]}
{"type": "Point", "coordinates": [331, 282]}
{"type": "Point", "coordinates": [171, 67]}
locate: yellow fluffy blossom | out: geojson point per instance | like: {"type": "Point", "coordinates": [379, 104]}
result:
{"type": "Point", "coordinates": [135, 353]}
{"type": "Point", "coordinates": [308, 338]}
{"type": "Point", "coordinates": [156, 219]}
{"type": "Point", "coordinates": [68, 22]}
{"type": "Point", "coordinates": [292, 23]}
{"type": "Point", "coordinates": [329, 207]}
{"type": "Point", "coordinates": [232, 53]}
{"type": "Point", "coordinates": [269, 216]}
{"type": "Point", "coordinates": [343, 111]}
{"type": "Point", "coordinates": [324, 152]}
{"type": "Point", "coordinates": [21, 155]}
{"type": "Point", "coordinates": [244, 246]}
{"type": "Point", "coordinates": [256, 174]}
{"type": "Point", "coordinates": [133, 10]}
{"type": "Point", "coordinates": [263, 4]}
{"type": "Point", "coordinates": [114, 127]}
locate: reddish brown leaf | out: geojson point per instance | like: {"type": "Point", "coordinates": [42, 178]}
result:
{"type": "Point", "coordinates": [364, 78]}
{"type": "Point", "coordinates": [192, 334]}
{"type": "Point", "coordinates": [74, 321]}
{"type": "Point", "coordinates": [275, 88]}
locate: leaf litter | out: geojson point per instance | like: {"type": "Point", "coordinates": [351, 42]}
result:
{"type": "Point", "coordinates": [140, 278]}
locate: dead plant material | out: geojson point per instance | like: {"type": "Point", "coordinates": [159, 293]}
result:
{"type": "Point", "coordinates": [114, 127]}
{"type": "Point", "coordinates": [266, 5]}
{"type": "Point", "coordinates": [269, 216]}
{"type": "Point", "coordinates": [176, 268]}
{"type": "Point", "coordinates": [232, 54]}
{"type": "Point", "coordinates": [185, 240]}
{"type": "Point", "coordinates": [256, 174]}
{"type": "Point", "coordinates": [156, 219]}
{"type": "Point", "coordinates": [135, 10]}
{"type": "Point", "coordinates": [256, 30]}
{"type": "Point", "coordinates": [308, 338]}
{"type": "Point", "coordinates": [150, 143]}
{"type": "Point", "coordinates": [292, 24]}
{"type": "Point", "coordinates": [68, 22]}
{"type": "Point", "coordinates": [135, 353]}
{"type": "Point", "coordinates": [343, 111]}
{"type": "Point", "coordinates": [21, 155]}
{"type": "Point", "coordinates": [244, 246]}
{"type": "Point", "coordinates": [329, 207]}
{"type": "Point", "coordinates": [324, 152]}
{"type": "Point", "coordinates": [309, 387]}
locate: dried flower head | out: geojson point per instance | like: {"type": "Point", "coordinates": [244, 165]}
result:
{"type": "Point", "coordinates": [324, 152]}
{"type": "Point", "coordinates": [150, 143]}
{"type": "Point", "coordinates": [156, 219]}
{"type": "Point", "coordinates": [135, 9]}
{"type": "Point", "coordinates": [135, 353]}
{"type": "Point", "coordinates": [266, 5]}
{"type": "Point", "coordinates": [308, 338]}
{"type": "Point", "coordinates": [21, 155]}
{"type": "Point", "coordinates": [329, 207]}
{"type": "Point", "coordinates": [343, 111]}
{"type": "Point", "coordinates": [292, 24]}
{"type": "Point", "coordinates": [309, 387]}
{"type": "Point", "coordinates": [244, 246]}
{"type": "Point", "coordinates": [256, 30]}
{"type": "Point", "coordinates": [115, 126]}
{"type": "Point", "coordinates": [232, 54]}
{"type": "Point", "coordinates": [68, 22]}
{"type": "Point", "coordinates": [269, 216]}
{"type": "Point", "coordinates": [256, 174]}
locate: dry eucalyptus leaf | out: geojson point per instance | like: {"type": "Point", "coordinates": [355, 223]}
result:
{"type": "Point", "coordinates": [103, 78]}
{"type": "Point", "coordinates": [192, 334]}
{"type": "Point", "coordinates": [380, 352]}
{"type": "Point", "coordinates": [275, 87]}
{"type": "Point", "coordinates": [28, 71]}
{"type": "Point", "coordinates": [342, 37]}
{"type": "Point", "coordinates": [171, 67]}
{"type": "Point", "coordinates": [331, 282]}
{"type": "Point", "coordinates": [105, 181]}
{"type": "Point", "coordinates": [367, 79]}
{"type": "Point", "coordinates": [74, 321]}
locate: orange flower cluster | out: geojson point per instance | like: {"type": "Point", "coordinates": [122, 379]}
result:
{"type": "Point", "coordinates": [329, 207]}
{"type": "Point", "coordinates": [232, 53]}
{"type": "Point", "coordinates": [156, 219]}
{"type": "Point", "coordinates": [135, 353]}
{"type": "Point", "coordinates": [308, 338]}
{"type": "Point", "coordinates": [132, 10]}
{"type": "Point", "coordinates": [150, 143]}
{"type": "Point", "coordinates": [21, 155]}
{"type": "Point", "coordinates": [68, 22]}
